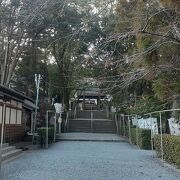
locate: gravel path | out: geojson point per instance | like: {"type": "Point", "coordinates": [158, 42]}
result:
{"type": "Point", "coordinates": [88, 161]}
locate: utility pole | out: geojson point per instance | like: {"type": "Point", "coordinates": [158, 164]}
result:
{"type": "Point", "coordinates": [37, 82]}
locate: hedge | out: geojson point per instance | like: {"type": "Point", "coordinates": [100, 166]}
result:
{"type": "Point", "coordinates": [171, 148]}
{"type": "Point", "coordinates": [133, 136]}
{"type": "Point", "coordinates": [144, 139]}
{"type": "Point", "coordinates": [141, 137]}
{"type": "Point", "coordinates": [42, 135]}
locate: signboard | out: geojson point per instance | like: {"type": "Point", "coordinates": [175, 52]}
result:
{"type": "Point", "coordinates": [58, 108]}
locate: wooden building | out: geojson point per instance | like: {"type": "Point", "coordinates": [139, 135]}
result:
{"type": "Point", "coordinates": [19, 111]}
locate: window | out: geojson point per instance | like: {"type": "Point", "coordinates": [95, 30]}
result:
{"type": "Point", "coordinates": [19, 105]}
{"type": "Point", "coordinates": [7, 115]}
{"type": "Point", "coordinates": [19, 116]}
{"type": "Point", "coordinates": [13, 114]}
{"type": "Point", "coordinates": [1, 114]}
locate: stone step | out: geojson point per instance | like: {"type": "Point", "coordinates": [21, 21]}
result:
{"type": "Point", "coordinates": [95, 114]}
{"type": "Point", "coordinates": [81, 130]}
{"type": "Point", "coordinates": [104, 127]}
{"type": "Point", "coordinates": [10, 154]}
{"type": "Point", "coordinates": [5, 145]}
{"type": "Point", "coordinates": [97, 126]}
{"type": "Point", "coordinates": [103, 137]}
{"type": "Point", "coordinates": [104, 131]}
{"type": "Point", "coordinates": [8, 149]}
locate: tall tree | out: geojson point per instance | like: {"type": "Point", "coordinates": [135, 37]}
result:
{"type": "Point", "coordinates": [16, 21]}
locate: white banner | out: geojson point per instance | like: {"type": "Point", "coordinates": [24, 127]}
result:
{"type": "Point", "coordinates": [174, 126]}
{"type": "Point", "coordinates": [149, 123]}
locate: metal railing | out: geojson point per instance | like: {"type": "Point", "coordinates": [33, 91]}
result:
{"type": "Point", "coordinates": [123, 123]}
{"type": "Point", "coordinates": [91, 120]}
{"type": "Point", "coordinates": [47, 126]}
{"type": "Point", "coordinates": [75, 112]}
{"type": "Point", "coordinates": [160, 126]}
{"type": "Point", "coordinates": [66, 125]}
{"type": "Point", "coordinates": [114, 117]}
{"type": "Point", "coordinates": [116, 123]}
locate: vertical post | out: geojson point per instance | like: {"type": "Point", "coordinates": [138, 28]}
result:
{"type": "Point", "coordinates": [121, 124]}
{"type": "Point", "coordinates": [2, 133]}
{"type": "Point", "coordinates": [124, 125]}
{"type": "Point", "coordinates": [137, 139]}
{"type": "Point", "coordinates": [162, 153]}
{"type": "Point", "coordinates": [116, 124]}
{"type": "Point", "coordinates": [68, 122]}
{"type": "Point", "coordinates": [47, 129]}
{"type": "Point", "coordinates": [32, 117]}
{"type": "Point", "coordinates": [129, 122]}
{"type": "Point", "coordinates": [117, 116]}
{"type": "Point", "coordinates": [59, 122]}
{"type": "Point", "coordinates": [55, 128]}
{"type": "Point", "coordinates": [84, 98]}
{"type": "Point", "coordinates": [152, 146]}
{"type": "Point", "coordinates": [75, 110]}
{"type": "Point", "coordinates": [91, 120]}
{"type": "Point", "coordinates": [107, 109]}
{"type": "Point", "coordinates": [37, 81]}
{"type": "Point", "coordinates": [98, 101]}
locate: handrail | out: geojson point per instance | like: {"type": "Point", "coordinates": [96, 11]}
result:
{"type": "Point", "coordinates": [107, 112]}
{"type": "Point", "coordinates": [75, 112]}
{"type": "Point", "coordinates": [66, 122]}
{"type": "Point", "coordinates": [116, 121]}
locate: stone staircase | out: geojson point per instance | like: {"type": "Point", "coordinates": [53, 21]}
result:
{"type": "Point", "coordinates": [91, 107]}
{"type": "Point", "coordinates": [104, 126]}
{"type": "Point", "coordinates": [79, 125]}
{"type": "Point", "coordinates": [83, 114]}
{"type": "Point", "coordinates": [98, 124]}
{"type": "Point", "coordinates": [9, 152]}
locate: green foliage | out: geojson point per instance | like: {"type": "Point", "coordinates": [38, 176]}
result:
{"type": "Point", "coordinates": [171, 148]}
{"type": "Point", "coordinates": [167, 85]}
{"type": "Point", "coordinates": [133, 136]}
{"type": "Point", "coordinates": [144, 138]}
{"type": "Point", "coordinates": [146, 105]}
{"type": "Point", "coordinates": [42, 135]}
{"type": "Point", "coordinates": [157, 55]}
{"type": "Point", "coordinates": [141, 137]}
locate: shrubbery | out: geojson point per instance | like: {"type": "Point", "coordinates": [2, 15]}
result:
{"type": "Point", "coordinates": [140, 137]}
{"type": "Point", "coordinates": [171, 148]}
{"type": "Point", "coordinates": [42, 135]}
{"type": "Point", "coordinates": [144, 138]}
{"type": "Point", "coordinates": [133, 136]}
